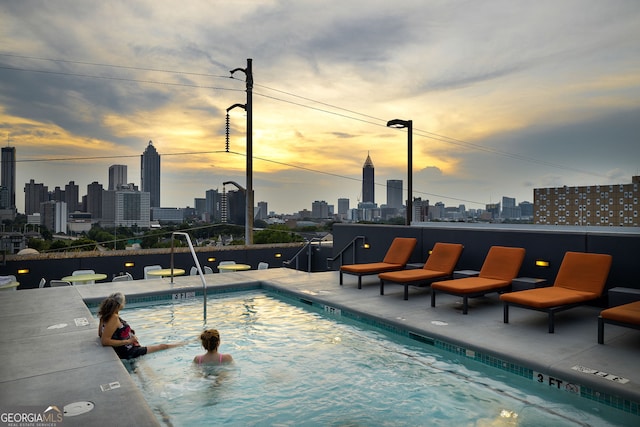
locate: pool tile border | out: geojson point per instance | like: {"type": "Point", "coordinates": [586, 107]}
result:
{"type": "Point", "coordinates": [606, 399]}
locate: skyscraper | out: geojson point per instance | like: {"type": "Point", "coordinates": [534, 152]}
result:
{"type": "Point", "coordinates": [8, 179]}
{"type": "Point", "coordinates": [117, 176]}
{"type": "Point", "coordinates": [150, 174]}
{"type": "Point", "coordinates": [394, 193]}
{"type": "Point", "coordinates": [368, 184]}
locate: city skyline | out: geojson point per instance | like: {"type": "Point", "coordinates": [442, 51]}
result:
{"type": "Point", "coordinates": [504, 97]}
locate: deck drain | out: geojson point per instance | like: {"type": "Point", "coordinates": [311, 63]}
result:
{"type": "Point", "coordinates": [439, 323]}
{"type": "Point", "coordinates": [77, 408]}
{"type": "Point", "coordinates": [58, 326]}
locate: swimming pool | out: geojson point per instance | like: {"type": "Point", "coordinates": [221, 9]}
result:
{"type": "Point", "coordinates": [296, 367]}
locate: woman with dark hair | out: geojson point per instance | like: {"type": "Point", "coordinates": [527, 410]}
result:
{"type": "Point", "coordinates": [116, 332]}
{"type": "Point", "coordinates": [211, 341]}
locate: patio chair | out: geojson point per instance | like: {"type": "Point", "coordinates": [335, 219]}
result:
{"type": "Point", "coordinates": [627, 315]}
{"type": "Point", "coordinates": [225, 263]}
{"type": "Point", "coordinates": [56, 283]}
{"type": "Point", "coordinates": [193, 271]}
{"type": "Point", "coordinates": [123, 278]}
{"type": "Point", "coordinates": [580, 279]}
{"type": "Point", "coordinates": [396, 259]}
{"type": "Point", "coordinates": [78, 272]}
{"type": "Point", "coordinates": [500, 267]}
{"type": "Point", "coordinates": [208, 270]}
{"type": "Point", "coordinates": [263, 265]}
{"type": "Point", "coordinates": [149, 268]}
{"type": "Point", "coordinates": [439, 265]}
{"type": "Point", "coordinates": [43, 282]}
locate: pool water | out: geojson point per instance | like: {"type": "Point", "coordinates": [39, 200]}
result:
{"type": "Point", "coordinates": [297, 367]}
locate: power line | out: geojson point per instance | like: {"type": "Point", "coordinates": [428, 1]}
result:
{"type": "Point", "coordinates": [123, 79]}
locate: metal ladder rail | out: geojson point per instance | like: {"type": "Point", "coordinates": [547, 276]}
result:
{"type": "Point", "coordinates": [297, 255]}
{"type": "Point", "coordinates": [349, 245]}
{"type": "Point", "coordinates": [200, 273]}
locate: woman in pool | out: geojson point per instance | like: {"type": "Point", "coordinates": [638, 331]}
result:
{"type": "Point", "coordinates": [211, 341]}
{"type": "Point", "coordinates": [115, 332]}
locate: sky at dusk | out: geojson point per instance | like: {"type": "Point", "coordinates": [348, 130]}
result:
{"type": "Point", "coordinates": [504, 96]}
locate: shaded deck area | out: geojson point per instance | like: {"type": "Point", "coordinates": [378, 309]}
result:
{"type": "Point", "coordinates": [51, 354]}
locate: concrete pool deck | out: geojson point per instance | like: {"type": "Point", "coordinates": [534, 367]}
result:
{"type": "Point", "coordinates": [51, 354]}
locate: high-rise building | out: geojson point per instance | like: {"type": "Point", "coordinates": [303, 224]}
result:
{"type": "Point", "coordinates": [263, 212]}
{"type": "Point", "coordinates": [117, 176]}
{"type": "Point", "coordinates": [34, 194]}
{"type": "Point", "coordinates": [509, 208]}
{"type": "Point", "coordinates": [394, 193]}
{"type": "Point", "coordinates": [214, 205]}
{"type": "Point", "coordinates": [150, 174]}
{"type": "Point", "coordinates": [8, 179]}
{"type": "Point", "coordinates": [234, 211]}
{"type": "Point", "coordinates": [368, 183]}
{"type": "Point", "coordinates": [343, 208]}
{"type": "Point", "coordinates": [94, 199]}
{"type": "Point", "coordinates": [126, 208]}
{"type": "Point", "coordinates": [603, 205]}
{"type": "Point", "coordinates": [71, 196]}
{"type": "Point", "coordinates": [53, 215]}
{"type": "Point", "coordinates": [319, 209]}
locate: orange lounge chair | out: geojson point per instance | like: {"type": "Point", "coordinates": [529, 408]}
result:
{"type": "Point", "coordinates": [627, 315]}
{"type": "Point", "coordinates": [500, 267]}
{"type": "Point", "coordinates": [396, 259]}
{"type": "Point", "coordinates": [439, 265]}
{"type": "Point", "coordinates": [581, 278]}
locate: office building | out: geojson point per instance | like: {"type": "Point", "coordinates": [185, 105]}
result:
{"type": "Point", "coordinates": [8, 174]}
{"type": "Point", "coordinates": [53, 215]}
{"type": "Point", "coordinates": [117, 176]}
{"type": "Point", "coordinates": [263, 211]}
{"type": "Point", "coordinates": [368, 181]}
{"type": "Point", "coordinates": [214, 205]}
{"type": "Point", "coordinates": [601, 205]}
{"type": "Point", "coordinates": [394, 193]}
{"type": "Point", "coordinates": [126, 208]}
{"type": "Point", "coordinates": [319, 210]}
{"type": "Point", "coordinates": [150, 174]}
{"type": "Point", "coordinates": [94, 199]}
{"type": "Point", "coordinates": [343, 208]}
{"type": "Point", "coordinates": [233, 207]}
{"type": "Point", "coordinates": [71, 196]}
{"type": "Point", "coordinates": [509, 208]}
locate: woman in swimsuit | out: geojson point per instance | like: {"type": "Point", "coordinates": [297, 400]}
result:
{"type": "Point", "coordinates": [211, 341]}
{"type": "Point", "coordinates": [115, 332]}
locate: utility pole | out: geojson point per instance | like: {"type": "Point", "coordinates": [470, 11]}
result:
{"type": "Point", "coordinates": [248, 232]}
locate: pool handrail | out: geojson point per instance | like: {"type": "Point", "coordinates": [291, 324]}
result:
{"type": "Point", "coordinates": [195, 260]}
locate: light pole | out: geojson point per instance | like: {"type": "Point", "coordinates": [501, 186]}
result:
{"type": "Point", "coordinates": [249, 109]}
{"type": "Point", "coordinates": [401, 124]}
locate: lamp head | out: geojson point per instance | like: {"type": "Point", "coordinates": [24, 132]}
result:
{"type": "Point", "coordinates": [398, 123]}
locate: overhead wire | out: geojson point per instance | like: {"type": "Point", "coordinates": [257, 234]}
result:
{"type": "Point", "coordinates": [346, 113]}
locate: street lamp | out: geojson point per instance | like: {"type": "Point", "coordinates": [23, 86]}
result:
{"type": "Point", "coordinates": [401, 124]}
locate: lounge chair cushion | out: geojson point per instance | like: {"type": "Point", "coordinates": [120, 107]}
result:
{"type": "Point", "coordinates": [470, 285]}
{"type": "Point", "coordinates": [371, 268]}
{"type": "Point", "coordinates": [548, 297]}
{"type": "Point", "coordinates": [626, 313]}
{"type": "Point", "coordinates": [500, 267]}
{"type": "Point", "coordinates": [408, 276]}
{"type": "Point", "coordinates": [441, 263]}
{"type": "Point", "coordinates": [396, 258]}
{"type": "Point", "coordinates": [584, 272]}
{"type": "Point", "coordinates": [581, 278]}
{"type": "Point", "coordinates": [400, 250]}
{"type": "Point", "coordinates": [502, 263]}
